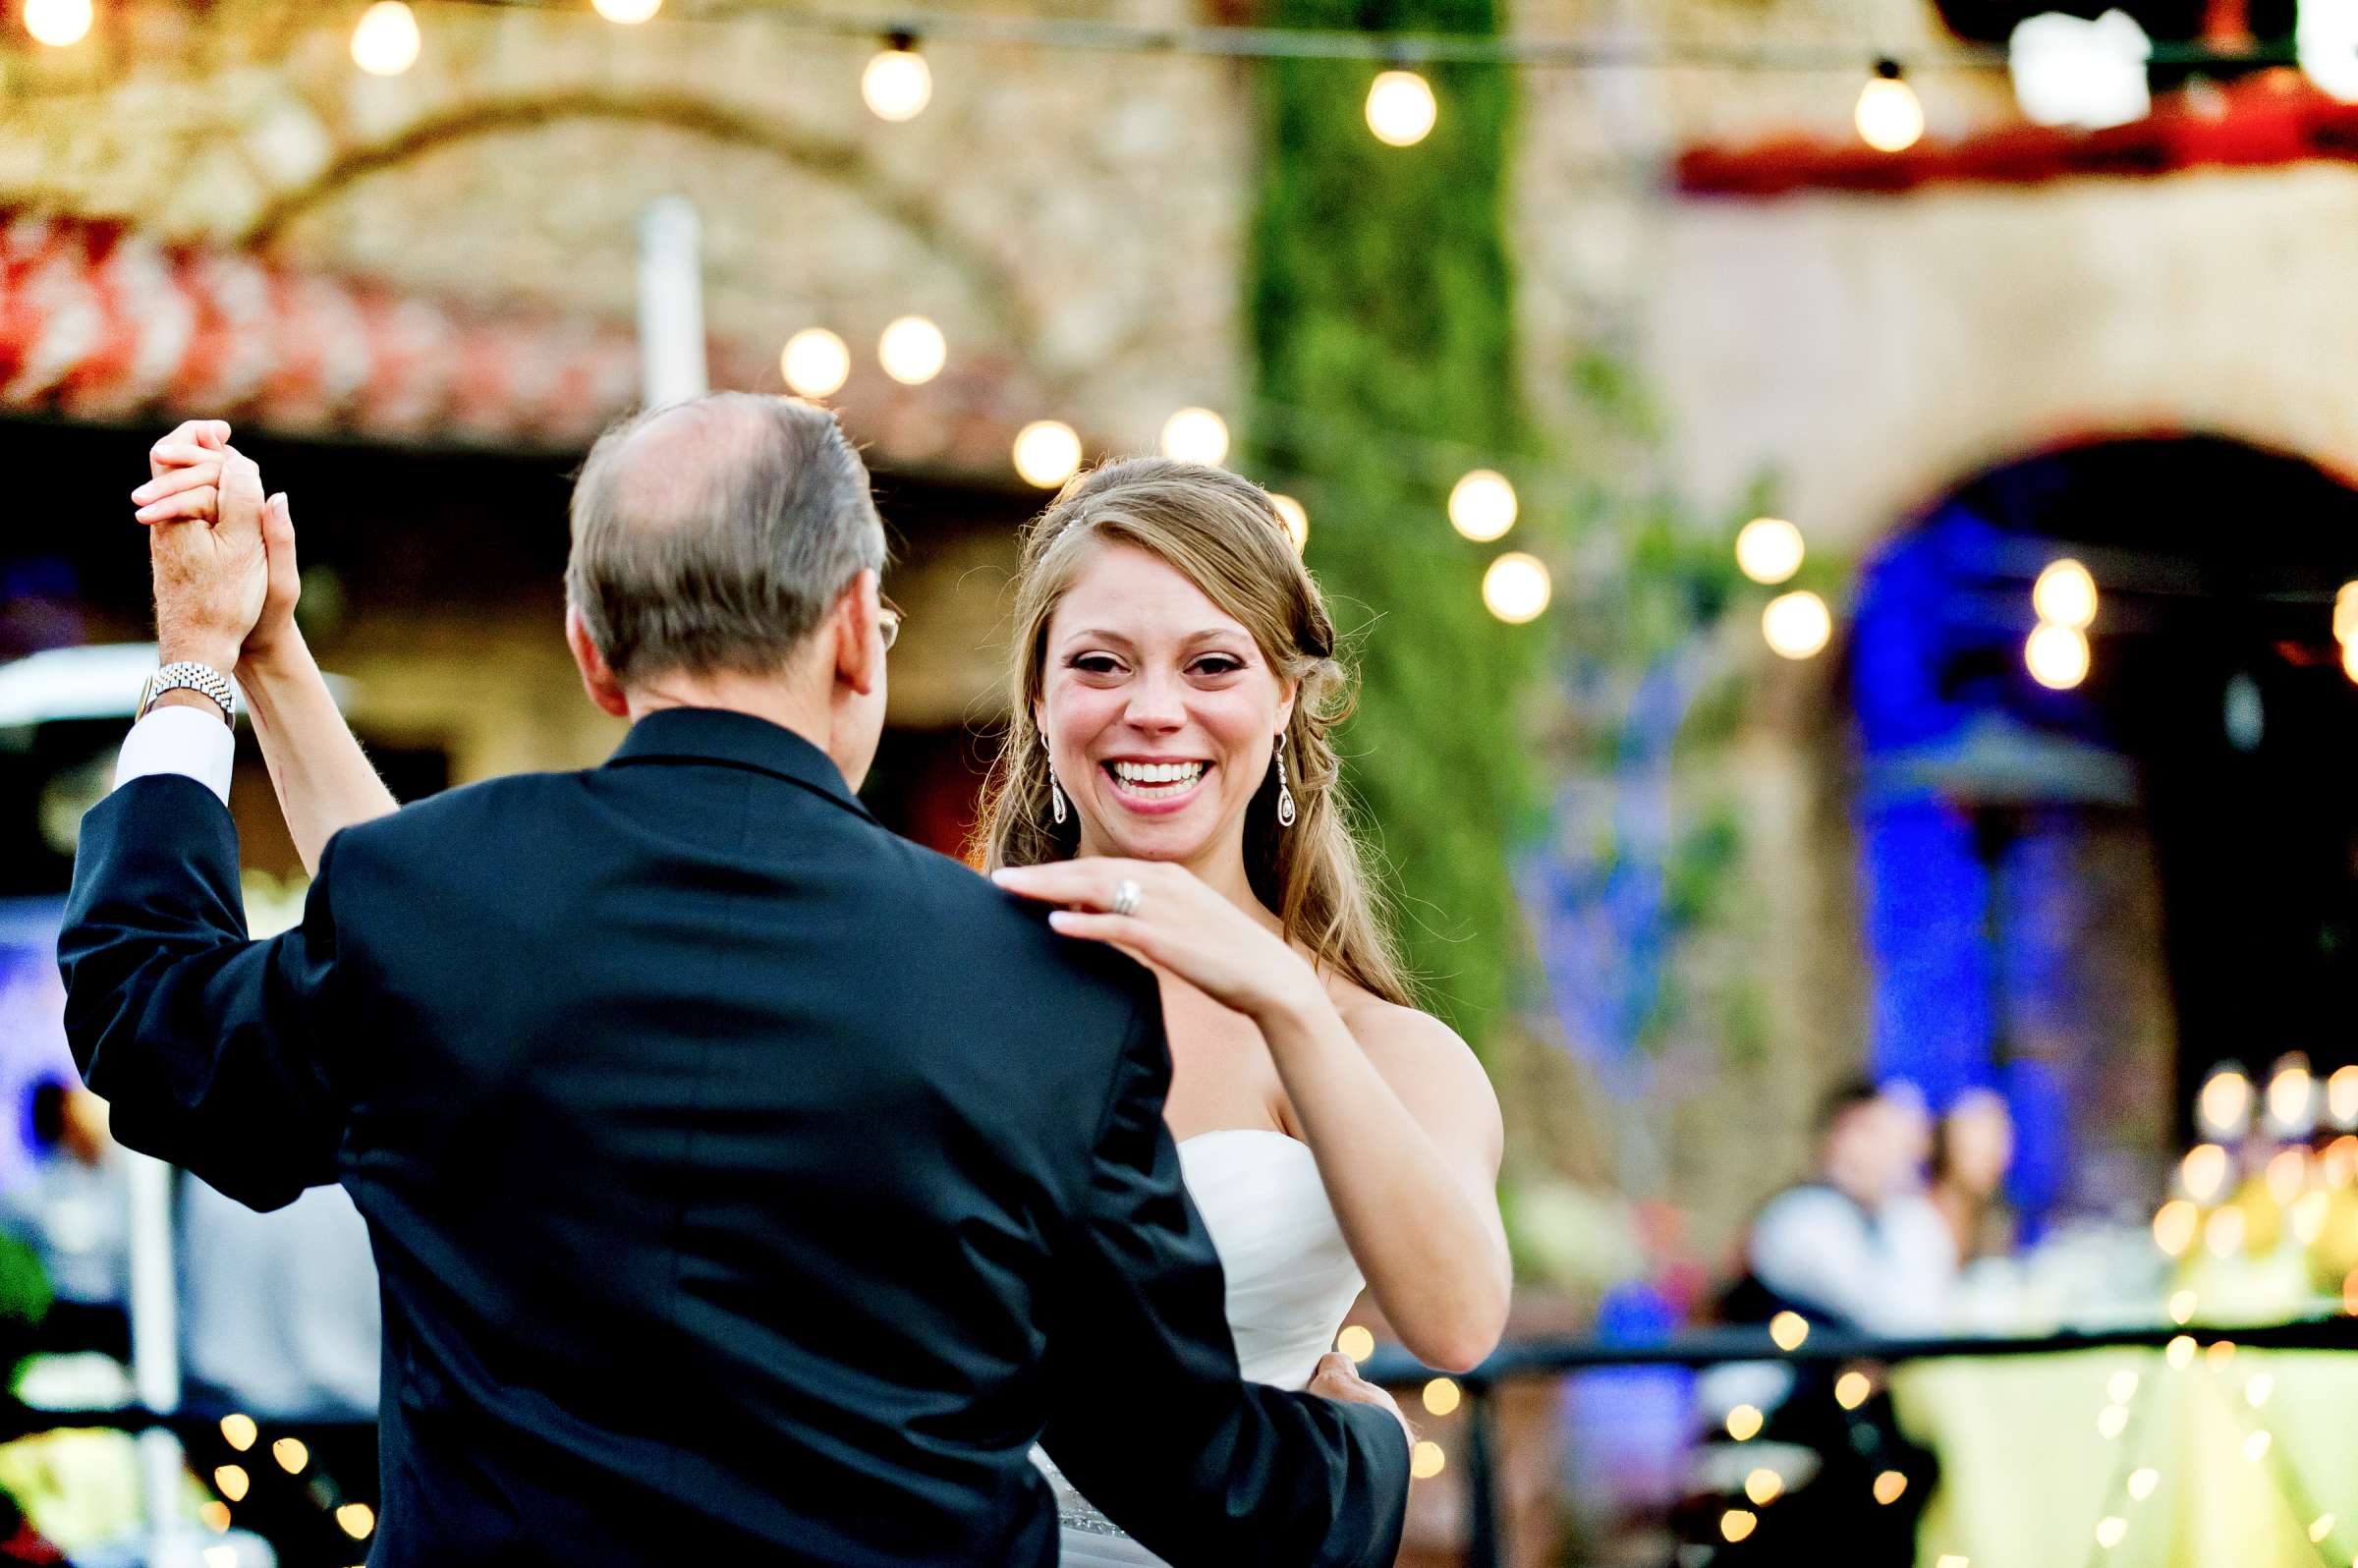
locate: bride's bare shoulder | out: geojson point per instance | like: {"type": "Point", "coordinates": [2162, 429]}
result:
{"type": "Point", "coordinates": [1390, 1031]}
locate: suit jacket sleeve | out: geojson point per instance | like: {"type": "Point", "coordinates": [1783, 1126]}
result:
{"type": "Point", "coordinates": [202, 1041]}
{"type": "Point", "coordinates": [1149, 1417]}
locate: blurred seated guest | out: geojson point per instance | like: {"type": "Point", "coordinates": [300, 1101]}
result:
{"type": "Point", "coordinates": [1972, 1149]}
{"type": "Point", "coordinates": [74, 1212]}
{"type": "Point", "coordinates": [1857, 1243]}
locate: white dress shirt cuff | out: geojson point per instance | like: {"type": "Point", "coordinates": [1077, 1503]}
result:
{"type": "Point", "coordinates": [180, 739]}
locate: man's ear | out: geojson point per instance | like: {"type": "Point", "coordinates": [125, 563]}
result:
{"type": "Point", "coordinates": [859, 662]}
{"type": "Point", "coordinates": [597, 679]}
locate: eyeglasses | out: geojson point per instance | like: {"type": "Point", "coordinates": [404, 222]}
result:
{"type": "Point", "coordinates": [889, 620]}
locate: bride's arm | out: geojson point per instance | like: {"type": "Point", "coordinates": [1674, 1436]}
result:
{"type": "Point", "coordinates": [1416, 1189]}
{"type": "Point", "coordinates": [324, 782]}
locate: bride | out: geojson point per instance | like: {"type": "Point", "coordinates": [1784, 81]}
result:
{"type": "Point", "coordinates": [1170, 781]}
{"type": "Point", "coordinates": [1168, 776]}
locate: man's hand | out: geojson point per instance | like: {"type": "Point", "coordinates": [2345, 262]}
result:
{"type": "Point", "coordinates": [1338, 1379]}
{"type": "Point", "coordinates": [204, 511]}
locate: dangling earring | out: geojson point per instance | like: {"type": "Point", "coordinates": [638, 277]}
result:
{"type": "Point", "coordinates": [1055, 790]}
{"type": "Point", "coordinates": [1285, 796]}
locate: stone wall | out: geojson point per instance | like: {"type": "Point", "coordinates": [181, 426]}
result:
{"type": "Point", "coordinates": [1071, 221]}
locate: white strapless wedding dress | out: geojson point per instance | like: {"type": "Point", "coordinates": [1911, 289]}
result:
{"type": "Point", "coordinates": [1290, 1281]}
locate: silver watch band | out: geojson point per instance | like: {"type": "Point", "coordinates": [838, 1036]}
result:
{"type": "Point", "coordinates": [186, 674]}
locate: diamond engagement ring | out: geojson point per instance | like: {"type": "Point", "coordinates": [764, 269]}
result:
{"type": "Point", "coordinates": [1125, 897]}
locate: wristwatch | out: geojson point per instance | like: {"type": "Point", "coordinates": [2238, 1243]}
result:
{"type": "Point", "coordinates": [189, 676]}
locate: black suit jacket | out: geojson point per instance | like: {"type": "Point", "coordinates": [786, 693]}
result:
{"type": "Point", "coordinates": [747, 1183]}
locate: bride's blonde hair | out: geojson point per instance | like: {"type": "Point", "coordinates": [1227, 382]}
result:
{"type": "Point", "coordinates": [1222, 534]}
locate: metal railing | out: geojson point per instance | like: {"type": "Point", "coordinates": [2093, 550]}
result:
{"type": "Point", "coordinates": [1555, 1357]}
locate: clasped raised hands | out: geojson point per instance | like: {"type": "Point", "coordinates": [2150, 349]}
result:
{"type": "Point", "coordinates": [222, 555]}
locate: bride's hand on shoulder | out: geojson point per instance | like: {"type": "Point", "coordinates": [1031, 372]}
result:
{"type": "Point", "coordinates": [1176, 924]}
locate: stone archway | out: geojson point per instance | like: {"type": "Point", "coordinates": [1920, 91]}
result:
{"type": "Point", "coordinates": [834, 160]}
{"type": "Point", "coordinates": [2085, 896]}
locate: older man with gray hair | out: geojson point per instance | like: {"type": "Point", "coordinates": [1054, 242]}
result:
{"type": "Point", "coordinates": [747, 1183]}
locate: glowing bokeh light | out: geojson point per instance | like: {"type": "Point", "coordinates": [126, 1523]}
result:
{"type": "Point", "coordinates": [1797, 625]}
{"type": "Point", "coordinates": [896, 85]}
{"type": "Point", "coordinates": [912, 351]}
{"type": "Point", "coordinates": [1516, 589]}
{"type": "Point", "coordinates": [385, 42]}
{"type": "Point", "coordinates": [2056, 657]}
{"type": "Point", "coordinates": [2224, 1104]}
{"type": "Point", "coordinates": [1482, 506]}
{"type": "Point", "coordinates": [1770, 550]}
{"type": "Point", "coordinates": [1401, 108]}
{"type": "Point", "coordinates": [2205, 1171]}
{"type": "Point", "coordinates": [1195, 435]}
{"type": "Point", "coordinates": [1888, 115]}
{"type": "Point", "coordinates": [1047, 452]}
{"type": "Point", "coordinates": [1290, 512]}
{"type": "Point", "coordinates": [815, 363]}
{"type": "Point", "coordinates": [2065, 594]}
{"type": "Point", "coordinates": [58, 24]}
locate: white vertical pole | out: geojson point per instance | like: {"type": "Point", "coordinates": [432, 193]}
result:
{"type": "Point", "coordinates": [671, 303]}
{"type": "Point", "coordinates": [154, 1340]}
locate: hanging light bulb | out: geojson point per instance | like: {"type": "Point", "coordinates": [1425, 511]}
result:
{"type": "Point", "coordinates": [386, 43]}
{"type": "Point", "coordinates": [1401, 108]}
{"type": "Point", "coordinates": [58, 24]}
{"type": "Point", "coordinates": [1889, 117]}
{"type": "Point", "coordinates": [2065, 594]}
{"type": "Point", "coordinates": [2056, 657]}
{"type": "Point", "coordinates": [1797, 625]}
{"type": "Point", "coordinates": [2346, 613]}
{"type": "Point", "coordinates": [912, 351]}
{"type": "Point", "coordinates": [1047, 452]}
{"type": "Point", "coordinates": [815, 363]}
{"type": "Point", "coordinates": [1516, 589]}
{"type": "Point", "coordinates": [897, 83]}
{"type": "Point", "coordinates": [630, 12]}
{"type": "Point", "coordinates": [1195, 435]}
{"type": "Point", "coordinates": [1770, 550]}
{"type": "Point", "coordinates": [2350, 657]}
{"type": "Point", "coordinates": [1297, 521]}
{"type": "Point", "coordinates": [1482, 506]}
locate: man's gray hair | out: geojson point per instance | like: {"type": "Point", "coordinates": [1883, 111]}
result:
{"type": "Point", "coordinates": [715, 534]}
